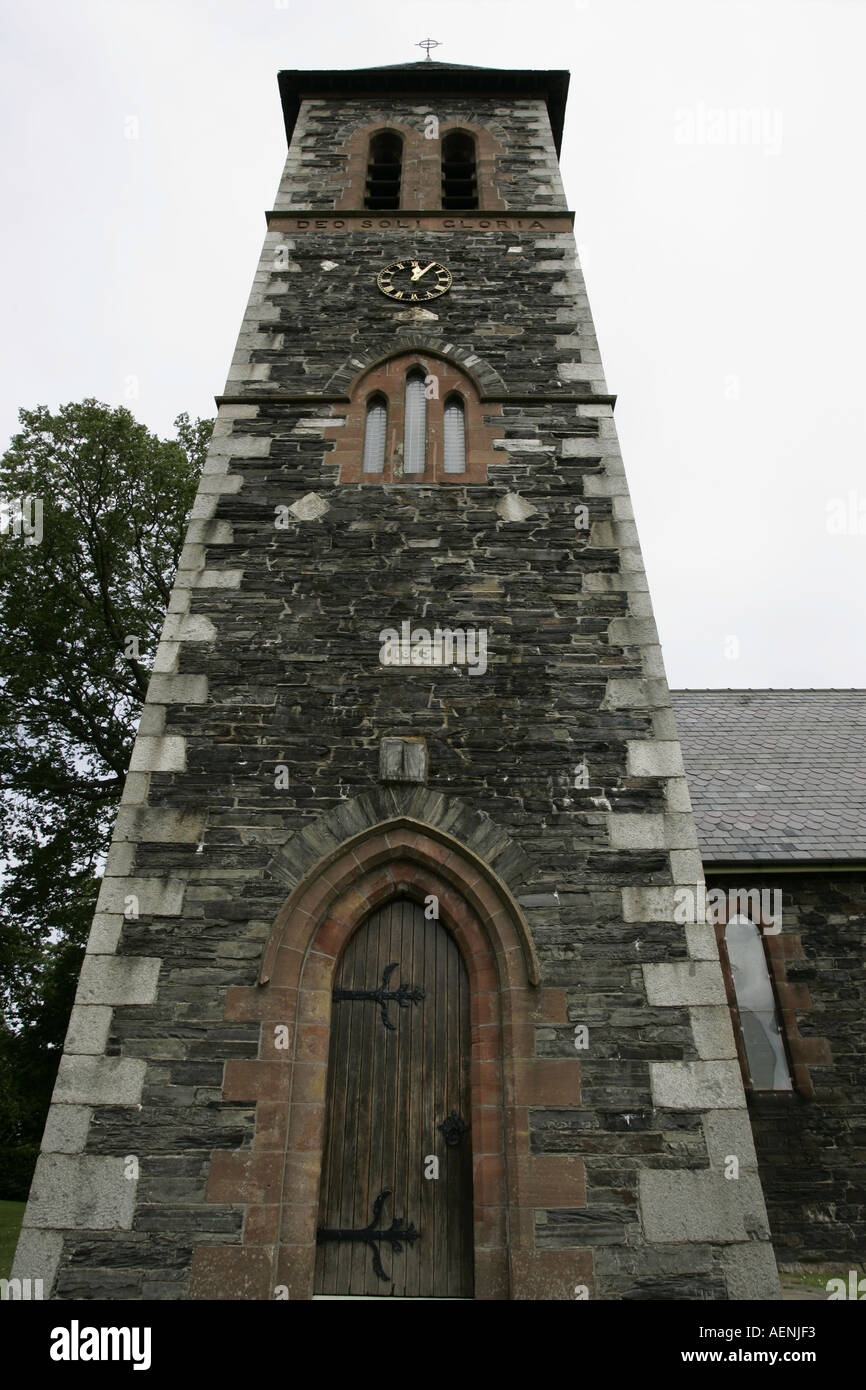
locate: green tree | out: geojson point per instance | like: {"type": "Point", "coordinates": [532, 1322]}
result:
{"type": "Point", "coordinates": [82, 600]}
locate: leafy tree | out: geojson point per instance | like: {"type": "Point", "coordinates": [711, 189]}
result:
{"type": "Point", "coordinates": [82, 600]}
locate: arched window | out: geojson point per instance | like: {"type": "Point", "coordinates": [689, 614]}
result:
{"type": "Point", "coordinates": [756, 1006]}
{"type": "Point", "coordinates": [415, 429]}
{"type": "Point", "coordinates": [459, 181]}
{"type": "Point", "coordinates": [374, 434]}
{"type": "Point", "coordinates": [384, 170]}
{"type": "Point", "coordinates": [416, 417]}
{"type": "Point", "coordinates": [455, 435]}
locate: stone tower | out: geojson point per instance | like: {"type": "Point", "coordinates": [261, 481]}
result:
{"type": "Point", "coordinates": [386, 992]}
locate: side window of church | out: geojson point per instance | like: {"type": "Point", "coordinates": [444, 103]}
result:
{"type": "Point", "coordinates": [384, 171]}
{"type": "Point", "coordinates": [459, 179]}
{"type": "Point", "coordinates": [374, 434]}
{"type": "Point", "coordinates": [455, 435]}
{"type": "Point", "coordinates": [756, 1018]}
{"type": "Point", "coordinates": [415, 437]}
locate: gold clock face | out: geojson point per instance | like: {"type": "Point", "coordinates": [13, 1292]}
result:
{"type": "Point", "coordinates": [414, 281]}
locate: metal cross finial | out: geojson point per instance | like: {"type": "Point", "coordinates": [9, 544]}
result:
{"type": "Point", "coordinates": [428, 44]}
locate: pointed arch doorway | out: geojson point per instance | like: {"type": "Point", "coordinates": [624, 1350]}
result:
{"type": "Point", "coordinates": [395, 1205]}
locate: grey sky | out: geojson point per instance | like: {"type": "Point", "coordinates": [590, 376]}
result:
{"type": "Point", "coordinates": [713, 155]}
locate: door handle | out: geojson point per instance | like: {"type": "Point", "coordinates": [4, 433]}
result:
{"type": "Point", "coordinates": [454, 1127]}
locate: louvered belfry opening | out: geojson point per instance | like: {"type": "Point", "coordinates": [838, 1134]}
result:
{"type": "Point", "coordinates": [384, 172]}
{"type": "Point", "coordinates": [459, 178]}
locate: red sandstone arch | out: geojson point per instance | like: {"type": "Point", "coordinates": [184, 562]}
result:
{"type": "Point", "coordinates": [306, 943]}
{"type": "Point", "coordinates": [387, 376]}
{"type": "Point", "coordinates": [421, 845]}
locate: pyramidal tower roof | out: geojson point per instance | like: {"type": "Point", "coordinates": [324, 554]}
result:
{"type": "Point", "coordinates": [426, 77]}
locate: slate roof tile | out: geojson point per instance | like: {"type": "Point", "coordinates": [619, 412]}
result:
{"type": "Point", "coordinates": [775, 774]}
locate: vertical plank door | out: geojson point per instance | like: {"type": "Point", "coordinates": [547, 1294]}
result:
{"type": "Point", "coordinates": [398, 1101]}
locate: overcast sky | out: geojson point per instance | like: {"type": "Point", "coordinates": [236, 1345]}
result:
{"type": "Point", "coordinates": [713, 154]}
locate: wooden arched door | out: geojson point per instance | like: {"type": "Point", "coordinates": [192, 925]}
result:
{"type": "Point", "coordinates": [398, 1112]}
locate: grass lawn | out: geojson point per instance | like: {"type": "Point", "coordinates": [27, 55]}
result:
{"type": "Point", "coordinates": [11, 1216]}
{"type": "Point", "coordinates": [816, 1280]}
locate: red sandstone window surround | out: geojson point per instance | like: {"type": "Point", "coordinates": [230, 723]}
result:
{"type": "Point", "coordinates": [384, 171]}
{"type": "Point", "coordinates": [754, 1008]}
{"type": "Point", "coordinates": [416, 419]}
{"type": "Point", "coordinates": [789, 999]}
{"type": "Point", "coordinates": [454, 434]}
{"type": "Point", "coordinates": [459, 178]}
{"type": "Point", "coordinates": [375, 433]}
{"type": "Point", "coordinates": [398, 168]}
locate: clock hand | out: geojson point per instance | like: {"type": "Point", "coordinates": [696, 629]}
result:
{"type": "Point", "coordinates": [418, 272]}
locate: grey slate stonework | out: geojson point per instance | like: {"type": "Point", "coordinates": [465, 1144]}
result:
{"type": "Point", "coordinates": [812, 1152]}
{"type": "Point", "coordinates": [270, 657]}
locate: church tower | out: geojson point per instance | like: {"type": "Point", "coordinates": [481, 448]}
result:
{"type": "Point", "coordinates": [390, 990]}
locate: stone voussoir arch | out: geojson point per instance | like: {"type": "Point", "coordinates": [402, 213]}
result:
{"type": "Point", "coordinates": [485, 379]}
{"type": "Point", "coordinates": [332, 888]}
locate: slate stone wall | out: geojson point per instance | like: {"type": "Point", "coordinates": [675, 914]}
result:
{"type": "Point", "coordinates": [811, 1143]}
{"type": "Point", "coordinates": [269, 660]}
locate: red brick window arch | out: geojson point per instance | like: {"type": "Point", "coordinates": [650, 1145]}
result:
{"type": "Point", "coordinates": [417, 418]}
